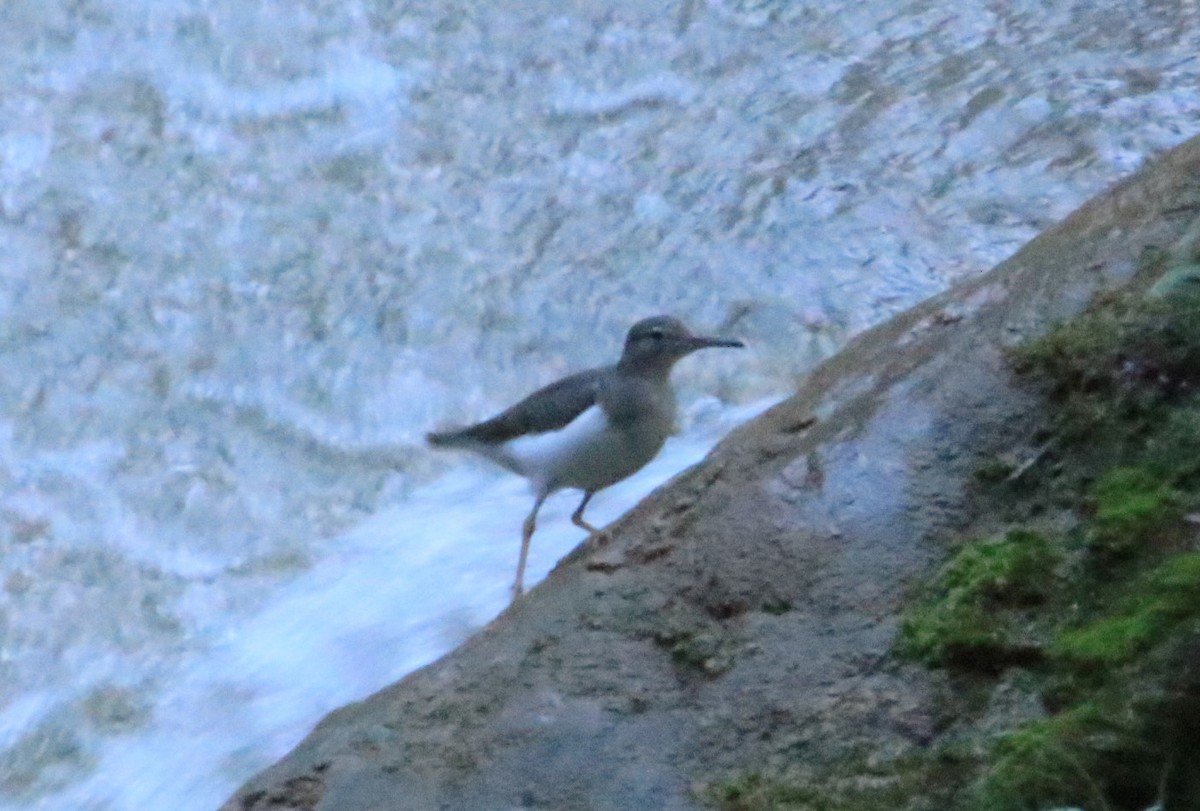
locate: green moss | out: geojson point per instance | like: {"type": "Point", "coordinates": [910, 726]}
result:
{"type": "Point", "coordinates": [1106, 753]}
{"type": "Point", "coordinates": [950, 632]}
{"type": "Point", "coordinates": [1171, 451]}
{"type": "Point", "coordinates": [1126, 347]}
{"type": "Point", "coordinates": [1109, 641]}
{"type": "Point", "coordinates": [921, 782]}
{"type": "Point", "coordinates": [967, 617]}
{"type": "Point", "coordinates": [1180, 578]}
{"type": "Point", "coordinates": [1149, 611]}
{"type": "Point", "coordinates": [1012, 569]}
{"type": "Point", "coordinates": [1097, 622]}
{"type": "Point", "coordinates": [756, 792]}
{"type": "Point", "coordinates": [1117, 378]}
{"type": "Point", "coordinates": [1046, 763]}
{"type": "Point", "coordinates": [1131, 505]}
{"type": "Point", "coordinates": [1124, 460]}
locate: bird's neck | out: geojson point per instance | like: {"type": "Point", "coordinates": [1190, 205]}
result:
{"type": "Point", "coordinates": [653, 369]}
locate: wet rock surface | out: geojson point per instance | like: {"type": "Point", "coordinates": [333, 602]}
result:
{"type": "Point", "coordinates": [745, 614]}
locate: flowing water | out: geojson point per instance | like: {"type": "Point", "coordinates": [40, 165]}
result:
{"type": "Point", "coordinates": [252, 251]}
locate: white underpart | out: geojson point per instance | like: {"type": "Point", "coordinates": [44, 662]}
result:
{"type": "Point", "coordinates": [586, 453]}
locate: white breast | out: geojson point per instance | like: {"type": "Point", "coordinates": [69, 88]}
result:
{"type": "Point", "coordinates": [587, 453]}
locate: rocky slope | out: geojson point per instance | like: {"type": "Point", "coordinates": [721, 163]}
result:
{"type": "Point", "coordinates": [744, 618]}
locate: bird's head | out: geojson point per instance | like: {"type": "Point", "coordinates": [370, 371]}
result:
{"type": "Point", "coordinates": [655, 344]}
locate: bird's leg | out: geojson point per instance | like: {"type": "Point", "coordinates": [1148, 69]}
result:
{"type": "Point", "coordinates": [526, 534]}
{"type": "Point", "coordinates": [577, 518]}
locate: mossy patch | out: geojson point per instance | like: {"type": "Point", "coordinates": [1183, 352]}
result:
{"type": "Point", "coordinates": [1132, 351]}
{"type": "Point", "coordinates": [1121, 377]}
{"type": "Point", "coordinates": [923, 781]}
{"type": "Point", "coordinates": [1171, 451]}
{"type": "Point", "coordinates": [973, 614]}
{"type": "Point", "coordinates": [1148, 612]}
{"type": "Point", "coordinates": [1096, 615]}
{"type": "Point", "coordinates": [1076, 758]}
{"type": "Point", "coordinates": [1124, 425]}
{"type": "Point", "coordinates": [1132, 506]}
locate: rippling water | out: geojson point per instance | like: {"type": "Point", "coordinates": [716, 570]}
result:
{"type": "Point", "coordinates": [251, 253]}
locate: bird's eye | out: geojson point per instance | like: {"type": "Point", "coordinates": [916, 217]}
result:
{"type": "Point", "coordinates": [656, 334]}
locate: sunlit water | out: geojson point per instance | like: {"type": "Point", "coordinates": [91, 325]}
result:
{"type": "Point", "coordinates": [249, 253]}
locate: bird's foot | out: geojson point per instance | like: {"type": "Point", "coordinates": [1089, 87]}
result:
{"type": "Point", "coordinates": [591, 530]}
{"type": "Point", "coordinates": [598, 537]}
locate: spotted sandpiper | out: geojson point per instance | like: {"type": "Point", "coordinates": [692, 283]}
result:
{"type": "Point", "coordinates": [590, 429]}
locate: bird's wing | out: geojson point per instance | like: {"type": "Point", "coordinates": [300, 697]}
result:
{"type": "Point", "coordinates": [547, 409]}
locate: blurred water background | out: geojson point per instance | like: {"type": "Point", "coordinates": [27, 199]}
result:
{"type": "Point", "coordinates": [250, 252]}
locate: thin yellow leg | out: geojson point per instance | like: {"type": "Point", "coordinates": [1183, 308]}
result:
{"type": "Point", "coordinates": [526, 534]}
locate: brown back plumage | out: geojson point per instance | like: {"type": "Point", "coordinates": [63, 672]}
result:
{"type": "Point", "coordinates": [547, 409]}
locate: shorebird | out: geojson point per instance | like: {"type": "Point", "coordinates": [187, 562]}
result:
{"type": "Point", "coordinates": [591, 429]}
